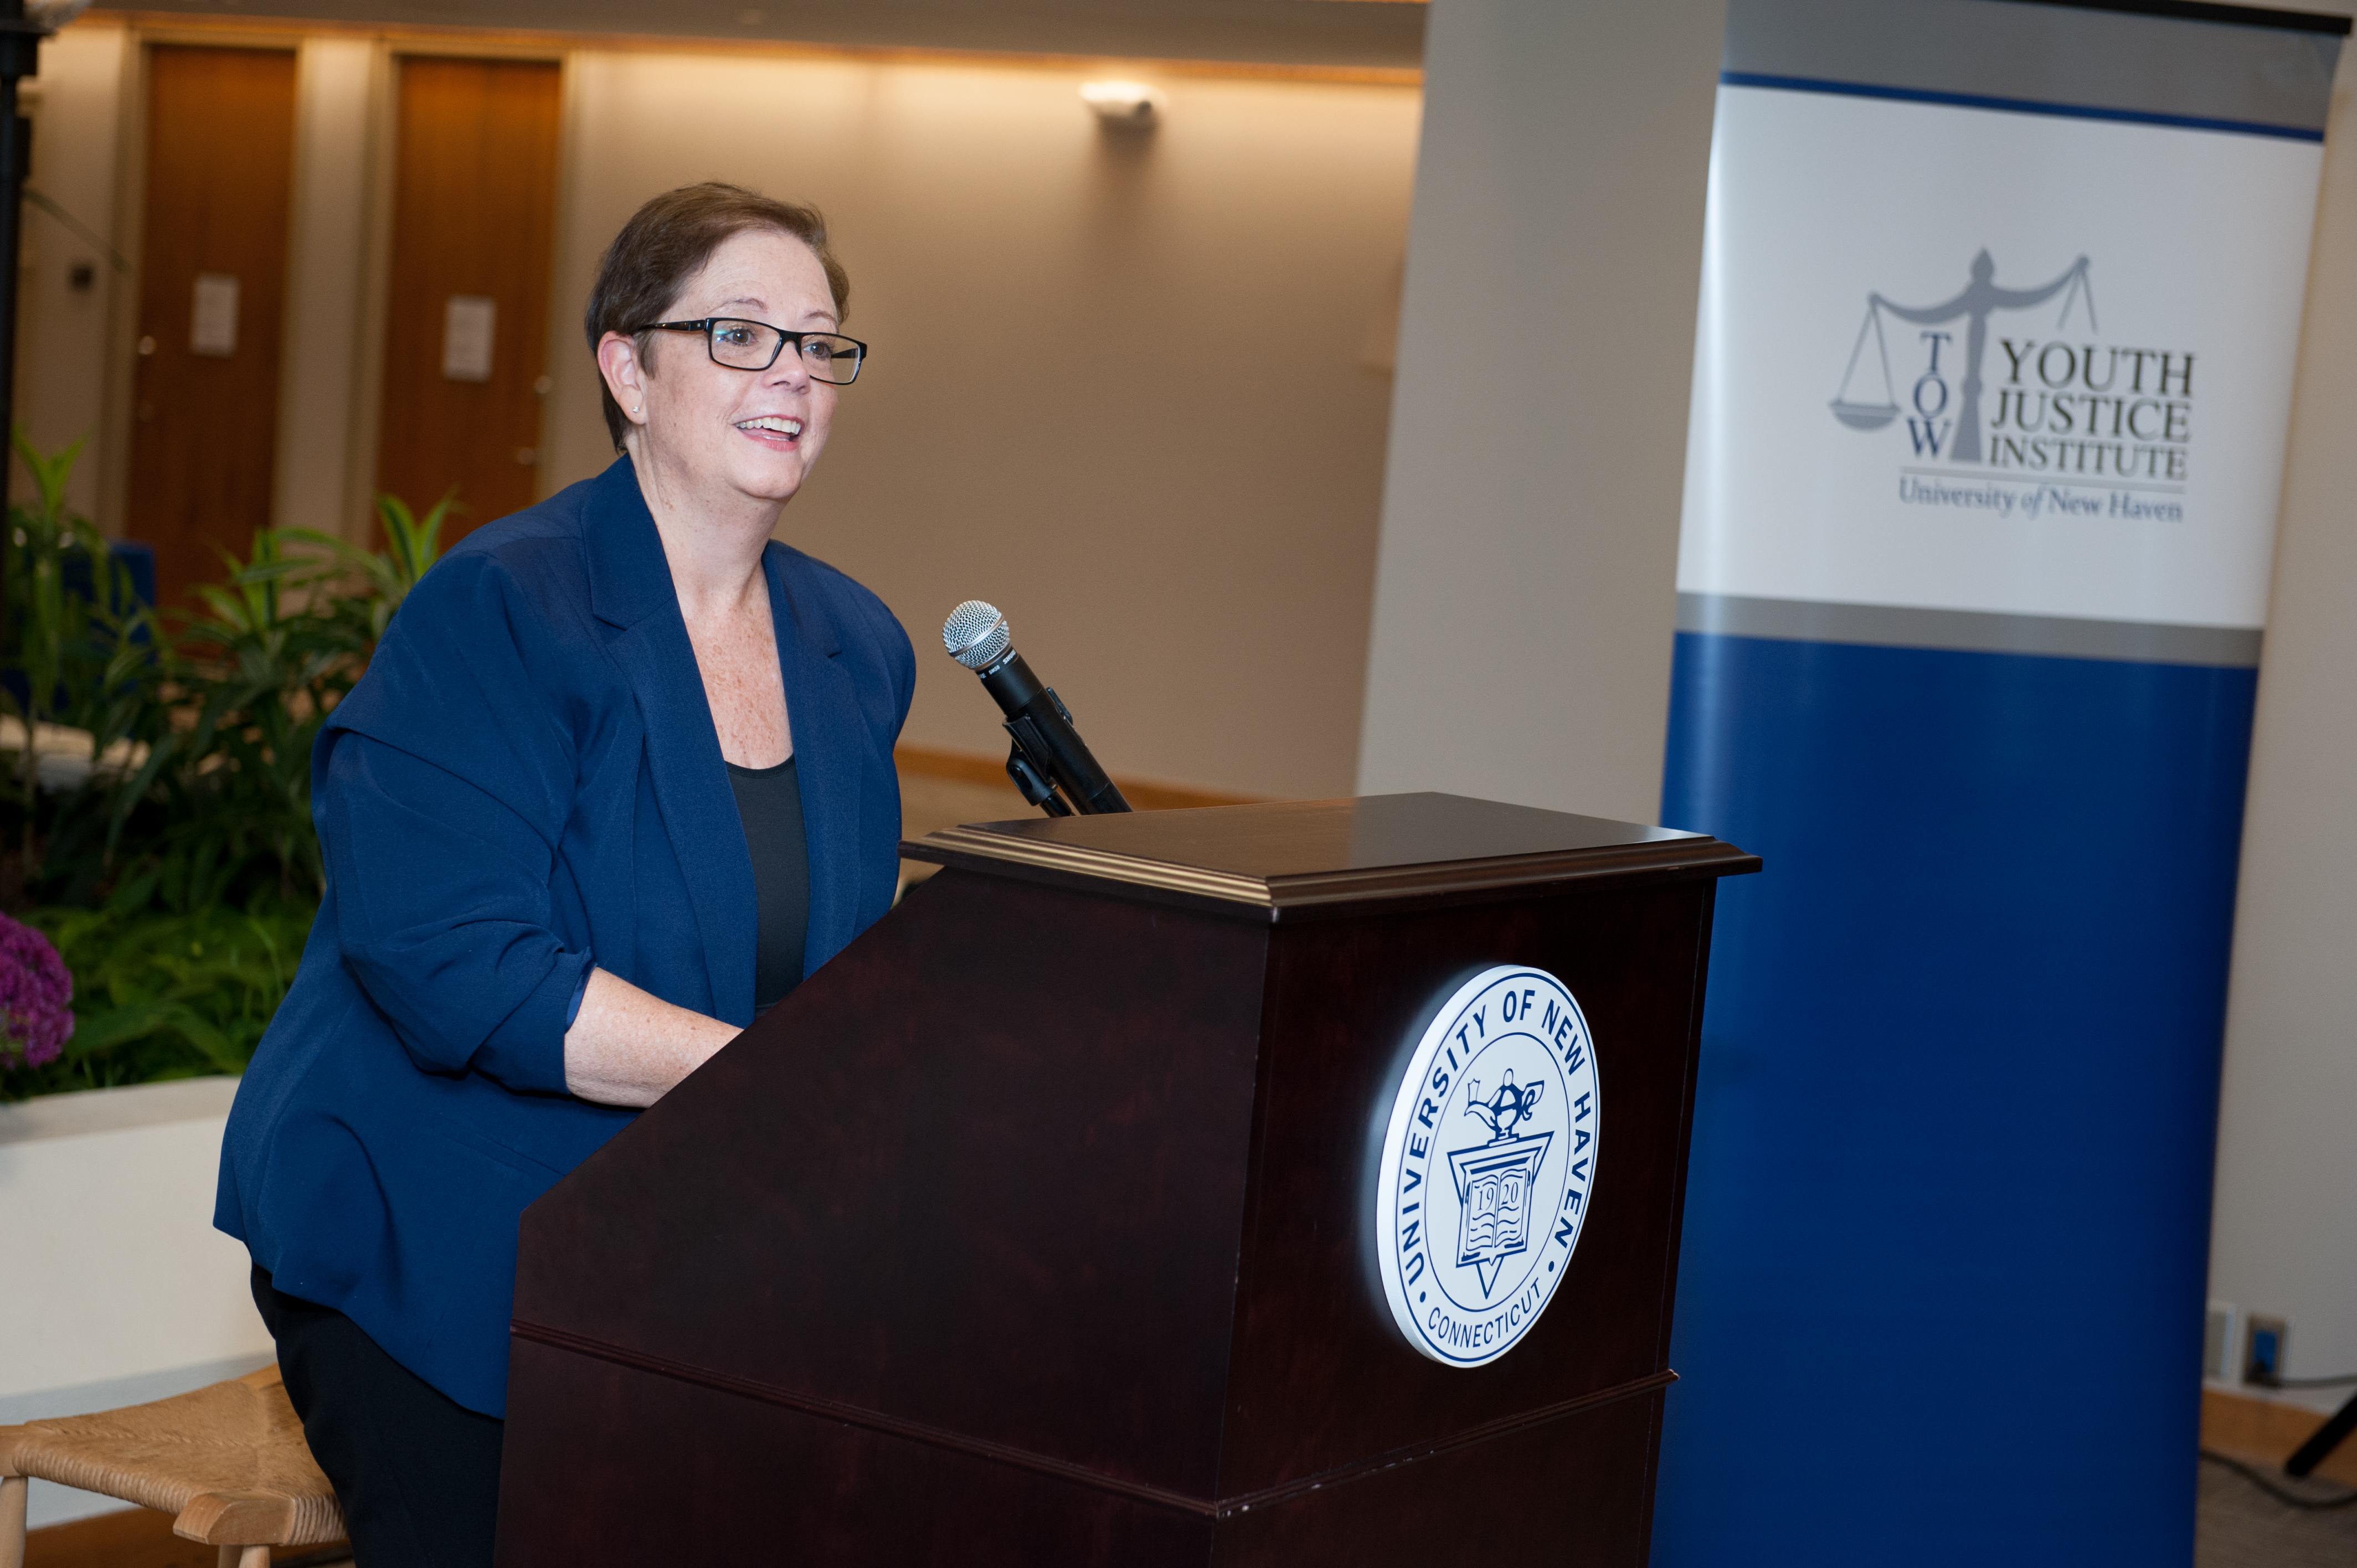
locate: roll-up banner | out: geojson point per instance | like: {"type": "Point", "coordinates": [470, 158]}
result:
{"type": "Point", "coordinates": [1993, 372]}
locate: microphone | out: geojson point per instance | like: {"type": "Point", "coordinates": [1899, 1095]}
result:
{"type": "Point", "coordinates": [1049, 754]}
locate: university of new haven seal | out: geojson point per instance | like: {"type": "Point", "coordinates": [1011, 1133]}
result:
{"type": "Point", "coordinates": [1487, 1165]}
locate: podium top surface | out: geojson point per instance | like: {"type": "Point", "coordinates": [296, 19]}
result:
{"type": "Point", "coordinates": [1331, 856]}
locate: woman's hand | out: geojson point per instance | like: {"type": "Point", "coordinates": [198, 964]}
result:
{"type": "Point", "coordinates": [628, 1047]}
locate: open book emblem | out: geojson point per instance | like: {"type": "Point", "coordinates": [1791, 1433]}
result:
{"type": "Point", "coordinates": [1494, 1182]}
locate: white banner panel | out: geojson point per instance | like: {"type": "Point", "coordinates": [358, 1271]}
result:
{"type": "Point", "coordinates": [1964, 358]}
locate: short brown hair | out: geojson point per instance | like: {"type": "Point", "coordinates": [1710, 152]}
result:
{"type": "Point", "coordinates": [667, 242]}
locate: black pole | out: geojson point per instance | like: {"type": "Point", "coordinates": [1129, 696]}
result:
{"type": "Point", "coordinates": [20, 46]}
{"type": "Point", "coordinates": [2323, 1441]}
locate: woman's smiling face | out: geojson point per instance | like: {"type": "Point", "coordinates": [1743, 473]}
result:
{"type": "Point", "coordinates": [753, 431]}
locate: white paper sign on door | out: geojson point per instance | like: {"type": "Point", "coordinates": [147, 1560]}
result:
{"type": "Point", "coordinates": [212, 324]}
{"type": "Point", "coordinates": [467, 323]}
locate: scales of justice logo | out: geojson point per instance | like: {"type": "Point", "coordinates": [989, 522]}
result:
{"type": "Point", "coordinates": [1488, 1162]}
{"type": "Point", "coordinates": [2069, 411]}
{"type": "Point", "coordinates": [1939, 419]}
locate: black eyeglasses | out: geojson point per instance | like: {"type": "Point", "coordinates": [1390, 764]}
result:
{"type": "Point", "coordinates": [756, 345]}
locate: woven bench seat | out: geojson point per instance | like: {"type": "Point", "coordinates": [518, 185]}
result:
{"type": "Point", "coordinates": [229, 1460]}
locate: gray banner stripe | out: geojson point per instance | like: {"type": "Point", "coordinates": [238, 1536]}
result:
{"type": "Point", "coordinates": [2050, 53]}
{"type": "Point", "coordinates": [1971, 631]}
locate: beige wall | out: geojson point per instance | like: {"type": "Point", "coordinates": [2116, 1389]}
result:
{"type": "Point", "coordinates": [62, 379]}
{"type": "Point", "coordinates": [321, 478]}
{"type": "Point", "coordinates": [117, 1289]}
{"type": "Point", "coordinates": [1526, 598]}
{"type": "Point", "coordinates": [1116, 388]}
{"type": "Point", "coordinates": [2283, 1239]}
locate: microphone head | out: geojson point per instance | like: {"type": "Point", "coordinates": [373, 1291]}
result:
{"type": "Point", "coordinates": [976, 635]}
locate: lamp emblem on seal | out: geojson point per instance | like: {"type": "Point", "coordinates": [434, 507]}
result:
{"type": "Point", "coordinates": [1487, 1164]}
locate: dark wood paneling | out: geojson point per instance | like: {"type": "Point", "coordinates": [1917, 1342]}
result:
{"type": "Point", "coordinates": [220, 169]}
{"type": "Point", "coordinates": [1036, 1227]}
{"type": "Point", "coordinates": [654, 1470]}
{"type": "Point", "coordinates": [473, 213]}
{"type": "Point", "coordinates": [985, 1165]}
{"type": "Point", "coordinates": [1281, 842]}
{"type": "Point", "coordinates": [1574, 1493]}
{"type": "Point", "coordinates": [1297, 860]}
{"type": "Point", "coordinates": [740, 1479]}
{"type": "Point", "coordinates": [1322, 1378]}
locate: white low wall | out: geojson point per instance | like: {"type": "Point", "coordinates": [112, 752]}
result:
{"type": "Point", "coordinates": [114, 1287]}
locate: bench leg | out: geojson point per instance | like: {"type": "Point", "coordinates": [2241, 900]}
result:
{"type": "Point", "coordinates": [239, 1557]}
{"type": "Point", "coordinates": [12, 1521]}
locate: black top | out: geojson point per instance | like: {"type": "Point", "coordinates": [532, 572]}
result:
{"type": "Point", "coordinates": [769, 800]}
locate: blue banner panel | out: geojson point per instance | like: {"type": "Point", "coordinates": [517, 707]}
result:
{"type": "Point", "coordinates": [1993, 368]}
{"type": "Point", "coordinates": [1948, 1214]}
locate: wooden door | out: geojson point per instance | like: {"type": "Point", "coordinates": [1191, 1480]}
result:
{"type": "Point", "coordinates": [474, 218]}
{"type": "Point", "coordinates": [212, 282]}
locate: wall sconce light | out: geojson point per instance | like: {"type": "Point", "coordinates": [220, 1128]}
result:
{"type": "Point", "coordinates": [1132, 105]}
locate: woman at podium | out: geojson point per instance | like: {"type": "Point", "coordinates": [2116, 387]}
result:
{"type": "Point", "coordinates": [619, 776]}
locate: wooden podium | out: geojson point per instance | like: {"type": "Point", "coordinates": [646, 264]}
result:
{"type": "Point", "coordinates": [1036, 1229]}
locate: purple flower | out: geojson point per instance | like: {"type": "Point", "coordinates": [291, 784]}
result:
{"type": "Point", "coordinates": [35, 989]}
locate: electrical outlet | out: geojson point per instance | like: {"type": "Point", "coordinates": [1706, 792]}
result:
{"type": "Point", "coordinates": [2264, 1346]}
{"type": "Point", "coordinates": [2218, 1342]}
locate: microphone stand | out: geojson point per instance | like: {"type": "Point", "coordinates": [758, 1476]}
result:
{"type": "Point", "coordinates": [1049, 761]}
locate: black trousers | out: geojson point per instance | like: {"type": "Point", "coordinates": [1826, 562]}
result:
{"type": "Point", "coordinates": [418, 1473]}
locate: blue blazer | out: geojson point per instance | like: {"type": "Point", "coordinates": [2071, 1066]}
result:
{"type": "Point", "coordinates": [527, 781]}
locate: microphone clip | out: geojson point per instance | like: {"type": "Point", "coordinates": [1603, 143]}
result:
{"type": "Point", "coordinates": [1037, 788]}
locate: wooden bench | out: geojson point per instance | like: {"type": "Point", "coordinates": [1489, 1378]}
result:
{"type": "Point", "coordinates": [229, 1460]}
